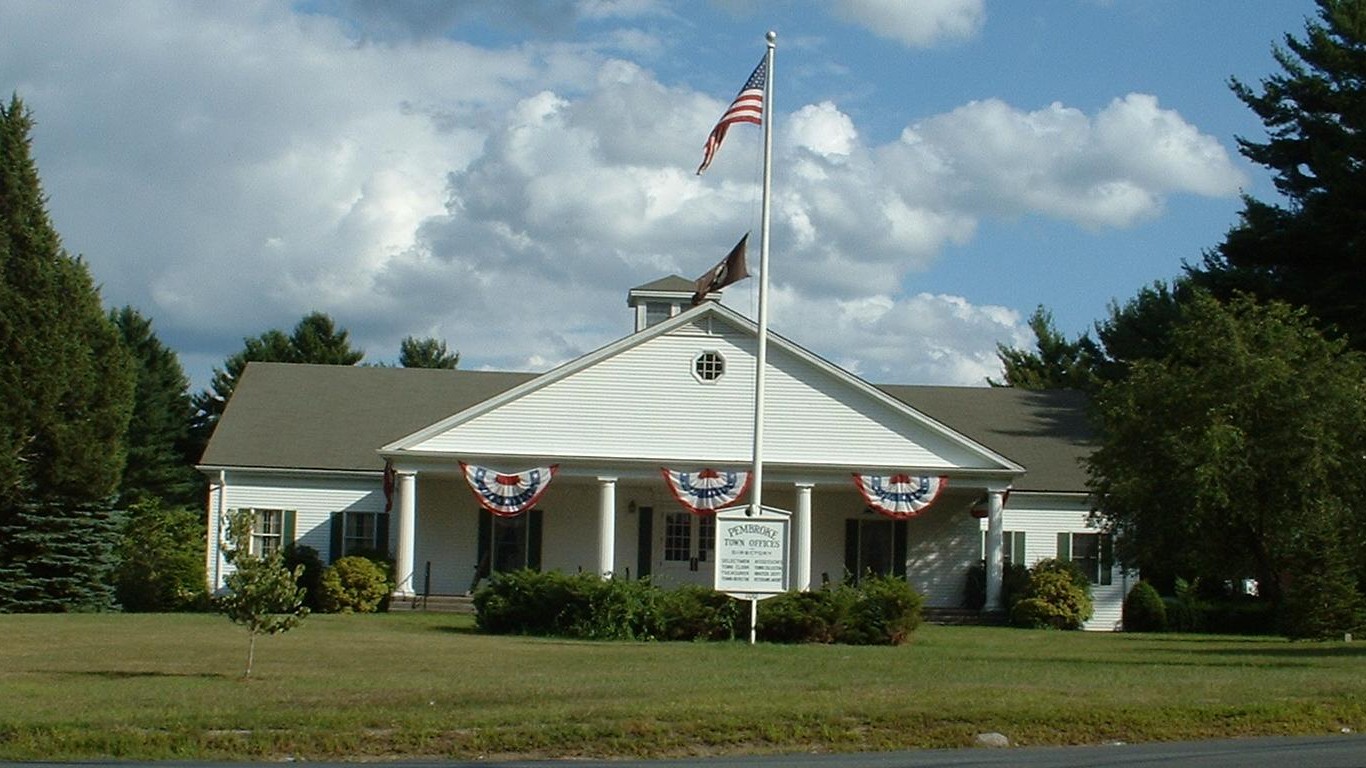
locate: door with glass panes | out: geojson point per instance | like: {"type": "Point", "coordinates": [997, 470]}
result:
{"type": "Point", "coordinates": [685, 548]}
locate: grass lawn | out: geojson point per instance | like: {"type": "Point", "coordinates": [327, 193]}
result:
{"type": "Point", "coordinates": [426, 685]}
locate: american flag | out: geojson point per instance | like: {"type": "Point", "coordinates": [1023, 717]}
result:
{"type": "Point", "coordinates": [748, 107]}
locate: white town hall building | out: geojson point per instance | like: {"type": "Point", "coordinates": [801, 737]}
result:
{"type": "Point", "coordinates": [305, 448]}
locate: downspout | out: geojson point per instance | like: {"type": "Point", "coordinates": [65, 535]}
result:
{"type": "Point", "coordinates": [218, 534]}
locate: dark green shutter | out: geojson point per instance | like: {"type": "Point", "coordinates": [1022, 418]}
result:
{"type": "Point", "coordinates": [534, 523]}
{"type": "Point", "coordinates": [1017, 554]}
{"type": "Point", "coordinates": [851, 573]}
{"type": "Point", "coordinates": [1107, 558]}
{"type": "Point", "coordinates": [1065, 547]}
{"type": "Point", "coordinates": [483, 558]}
{"type": "Point", "coordinates": [645, 542]}
{"type": "Point", "coordinates": [287, 528]}
{"type": "Point", "coordinates": [338, 542]}
{"type": "Point", "coordinates": [899, 529]}
{"type": "Point", "coordinates": [382, 533]}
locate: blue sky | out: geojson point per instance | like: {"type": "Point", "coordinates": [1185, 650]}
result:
{"type": "Point", "coordinates": [500, 174]}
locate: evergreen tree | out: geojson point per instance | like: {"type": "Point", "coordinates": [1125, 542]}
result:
{"type": "Point", "coordinates": [68, 384]}
{"type": "Point", "coordinates": [1311, 250]}
{"type": "Point", "coordinates": [316, 339]}
{"type": "Point", "coordinates": [426, 353]}
{"type": "Point", "coordinates": [159, 431]}
{"type": "Point", "coordinates": [1055, 363]}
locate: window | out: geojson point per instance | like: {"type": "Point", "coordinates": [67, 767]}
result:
{"type": "Point", "coordinates": [1012, 547]}
{"type": "Point", "coordinates": [359, 535]}
{"type": "Point", "coordinates": [678, 537]}
{"type": "Point", "coordinates": [689, 539]}
{"type": "Point", "coordinates": [267, 531]}
{"type": "Point", "coordinates": [657, 312]}
{"type": "Point", "coordinates": [876, 545]}
{"type": "Point", "coordinates": [1094, 552]}
{"type": "Point", "coordinates": [709, 366]}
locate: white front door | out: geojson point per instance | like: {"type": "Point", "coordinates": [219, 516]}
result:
{"type": "Point", "coordinates": [685, 546]}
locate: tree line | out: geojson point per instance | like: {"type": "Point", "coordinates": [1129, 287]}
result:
{"type": "Point", "coordinates": [100, 503]}
{"type": "Point", "coordinates": [1230, 402]}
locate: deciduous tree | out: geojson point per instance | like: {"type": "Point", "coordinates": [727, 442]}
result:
{"type": "Point", "coordinates": [1239, 452]}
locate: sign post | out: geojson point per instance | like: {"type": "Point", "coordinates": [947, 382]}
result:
{"type": "Point", "coordinates": [752, 555]}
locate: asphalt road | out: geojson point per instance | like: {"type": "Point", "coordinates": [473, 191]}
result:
{"type": "Point", "coordinates": [1345, 751]}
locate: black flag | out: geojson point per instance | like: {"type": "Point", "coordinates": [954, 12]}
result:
{"type": "Point", "coordinates": [730, 270]}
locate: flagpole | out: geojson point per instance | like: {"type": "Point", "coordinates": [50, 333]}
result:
{"type": "Point", "coordinates": [761, 356]}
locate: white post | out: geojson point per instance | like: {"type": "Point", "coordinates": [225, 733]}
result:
{"type": "Point", "coordinates": [803, 537]}
{"type": "Point", "coordinates": [407, 522]}
{"type": "Point", "coordinates": [761, 354]}
{"type": "Point", "coordinates": [607, 524]}
{"type": "Point", "coordinates": [995, 549]}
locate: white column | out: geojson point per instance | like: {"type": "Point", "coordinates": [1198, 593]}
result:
{"type": "Point", "coordinates": [803, 537]}
{"type": "Point", "coordinates": [407, 523]}
{"type": "Point", "coordinates": [607, 524]}
{"type": "Point", "coordinates": [995, 548]}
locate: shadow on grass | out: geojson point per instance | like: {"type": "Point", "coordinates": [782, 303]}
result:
{"type": "Point", "coordinates": [122, 674]}
{"type": "Point", "coordinates": [452, 629]}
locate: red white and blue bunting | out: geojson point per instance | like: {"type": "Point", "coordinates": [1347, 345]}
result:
{"type": "Point", "coordinates": [899, 496]}
{"type": "Point", "coordinates": [508, 494]}
{"type": "Point", "coordinates": [705, 491]}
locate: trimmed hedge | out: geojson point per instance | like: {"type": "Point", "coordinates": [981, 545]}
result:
{"type": "Point", "coordinates": [879, 611]}
{"type": "Point", "coordinates": [1144, 610]}
{"type": "Point", "coordinates": [1058, 597]}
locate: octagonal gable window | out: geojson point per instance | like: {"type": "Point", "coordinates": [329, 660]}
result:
{"type": "Point", "coordinates": [708, 366]}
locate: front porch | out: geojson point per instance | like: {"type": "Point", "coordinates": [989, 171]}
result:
{"type": "Point", "coordinates": [628, 525]}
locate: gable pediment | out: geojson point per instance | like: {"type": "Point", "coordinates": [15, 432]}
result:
{"type": "Point", "coordinates": [641, 400]}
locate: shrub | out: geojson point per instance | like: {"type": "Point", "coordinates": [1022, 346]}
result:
{"type": "Point", "coordinates": [1321, 599]}
{"type": "Point", "coordinates": [802, 617]}
{"type": "Point", "coordinates": [698, 613]}
{"type": "Point", "coordinates": [1058, 597]}
{"type": "Point", "coordinates": [884, 611]}
{"type": "Point", "coordinates": [161, 559]}
{"type": "Point", "coordinates": [305, 561]}
{"type": "Point", "coordinates": [1014, 581]}
{"type": "Point", "coordinates": [1144, 610]}
{"type": "Point", "coordinates": [878, 611]}
{"type": "Point", "coordinates": [354, 585]}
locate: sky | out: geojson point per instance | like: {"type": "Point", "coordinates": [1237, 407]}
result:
{"type": "Point", "coordinates": [499, 174]}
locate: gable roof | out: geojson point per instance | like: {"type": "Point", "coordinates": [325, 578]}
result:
{"type": "Point", "coordinates": [295, 416]}
{"type": "Point", "coordinates": [324, 417]}
{"type": "Point", "coordinates": [1046, 431]}
{"type": "Point", "coordinates": [714, 316]}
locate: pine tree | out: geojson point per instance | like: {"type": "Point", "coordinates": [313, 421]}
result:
{"type": "Point", "coordinates": [426, 353]}
{"type": "Point", "coordinates": [316, 339]}
{"type": "Point", "coordinates": [68, 394]}
{"type": "Point", "coordinates": [1311, 249]}
{"type": "Point", "coordinates": [158, 433]}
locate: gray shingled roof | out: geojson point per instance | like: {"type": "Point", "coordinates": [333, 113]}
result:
{"type": "Point", "coordinates": [335, 417]}
{"type": "Point", "coordinates": [672, 283]}
{"type": "Point", "coordinates": [1045, 431]}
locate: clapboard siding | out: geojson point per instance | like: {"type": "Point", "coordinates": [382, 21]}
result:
{"type": "Point", "coordinates": [1042, 518]}
{"type": "Point", "coordinates": [942, 548]}
{"type": "Point", "coordinates": [313, 499]}
{"type": "Point", "coordinates": [645, 403]}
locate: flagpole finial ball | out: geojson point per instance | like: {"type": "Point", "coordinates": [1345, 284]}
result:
{"type": "Point", "coordinates": [772, 37]}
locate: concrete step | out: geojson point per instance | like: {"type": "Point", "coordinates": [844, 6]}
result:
{"type": "Point", "coordinates": [961, 616]}
{"type": "Point", "coordinates": [434, 603]}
